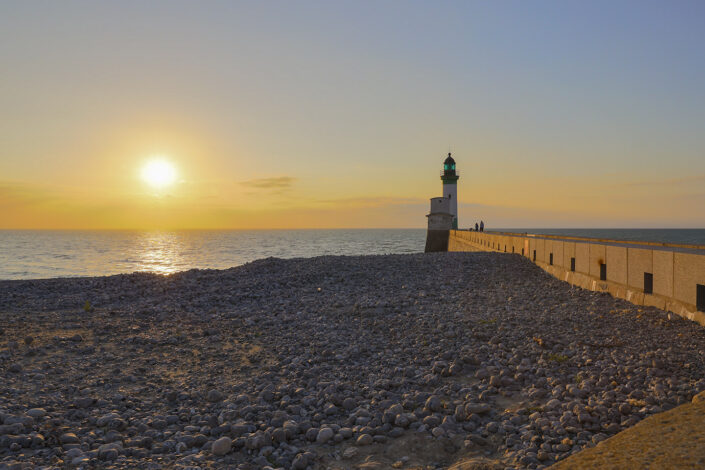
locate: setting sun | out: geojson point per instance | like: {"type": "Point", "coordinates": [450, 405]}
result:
{"type": "Point", "coordinates": [159, 173]}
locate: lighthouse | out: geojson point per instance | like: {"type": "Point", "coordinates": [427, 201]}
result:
{"type": "Point", "coordinates": [444, 210]}
{"type": "Point", "coordinates": [450, 187]}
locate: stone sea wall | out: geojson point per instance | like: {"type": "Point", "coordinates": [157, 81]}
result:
{"type": "Point", "coordinates": [670, 277]}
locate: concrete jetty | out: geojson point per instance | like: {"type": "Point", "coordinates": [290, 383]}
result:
{"type": "Point", "coordinates": [667, 276]}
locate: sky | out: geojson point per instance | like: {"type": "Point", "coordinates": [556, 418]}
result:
{"type": "Point", "coordinates": [339, 114]}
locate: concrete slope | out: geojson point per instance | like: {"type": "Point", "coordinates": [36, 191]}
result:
{"type": "Point", "coordinates": [673, 440]}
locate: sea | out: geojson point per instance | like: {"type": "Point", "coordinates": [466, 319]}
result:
{"type": "Point", "coordinates": [39, 254]}
{"type": "Point", "coordinates": [45, 254]}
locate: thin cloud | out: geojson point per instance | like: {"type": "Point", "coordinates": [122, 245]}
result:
{"type": "Point", "coordinates": [371, 201]}
{"type": "Point", "coordinates": [20, 193]}
{"type": "Point", "coordinates": [281, 182]}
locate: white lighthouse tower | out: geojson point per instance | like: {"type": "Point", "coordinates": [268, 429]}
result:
{"type": "Point", "coordinates": [450, 187]}
{"type": "Point", "coordinates": [444, 210]}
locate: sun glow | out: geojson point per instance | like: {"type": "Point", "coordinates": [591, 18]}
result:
{"type": "Point", "coordinates": [159, 173]}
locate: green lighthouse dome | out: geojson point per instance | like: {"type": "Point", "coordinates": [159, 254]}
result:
{"type": "Point", "coordinates": [449, 163]}
{"type": "Point", "coordinates": [449, 174]}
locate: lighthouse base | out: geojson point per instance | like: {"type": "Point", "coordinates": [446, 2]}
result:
{"type": "Point", "coordinates": [437, 240]}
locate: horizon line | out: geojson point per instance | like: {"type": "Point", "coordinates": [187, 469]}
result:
{"type": "Point", "coordinates": [216, 229]}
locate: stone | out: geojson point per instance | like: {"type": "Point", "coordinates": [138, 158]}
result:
{"type": "Point", "coordinates": [395, 410]}
{"type": "Point", "coordinates": [553, 404]}
{"type": "Point", "coordinates": [37, 412]}
{"type": "Point", "coordinates": [38, 441]}
{"type": "Point", "coordinates": [349, 404]}
{"type": "Point", "coordinates": [477, 408]}
{"type": "Point", "coordinates": [438, 432]}
{"type": "Point", "coordinates": [80, 461]}
{"type": "Point", "coordinates": [108, 452]}
{"type": "Point", "coordinates": [324, 435]}
{"type": "Point", "coordinates": [279, 435]}
{"type": "Point", "coordinates": [349, 453]}
{"type": "Point", "coordinates": [478, 440]}
{"type": "Point", "coordinates": [364, 440]}
{"type": "Point", "coordinates": [699, 398]}
{"type": "Point", "coordinates": [482, 374]}
{"type": "Point", "coordinates": [84, 402]}
{"type": "Point", "coordinates": [433, 403]}
{"type": "Point", "coordinates": [73, 453]}
{"type": "Point", "coordinates": [459, 414]}
{"type": "Point", "coordinates": [300, 462]}
{"type": "Point", "coordinates": [312, 434]}
{"type": "Point", "coordinates": [106, 419]}
{"type": "Point", "coordinates": [214, 396]}
{"type": "Point", "coordinates": [402, 421]}
{"type": "Point", "coordinates": [69, 438]}
{"type": "Point", "coordinates": [222, 446]}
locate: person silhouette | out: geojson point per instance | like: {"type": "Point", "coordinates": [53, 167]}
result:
{"type": "Point", "coordinates": [482, 226]}
{"type": "Point", "coordinates": [476, 227]}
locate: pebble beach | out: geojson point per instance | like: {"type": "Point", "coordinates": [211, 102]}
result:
{"type": "Point", "coordinates": [419, 361]}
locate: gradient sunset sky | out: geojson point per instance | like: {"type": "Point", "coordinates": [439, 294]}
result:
{"type": "Point", "coordinates": [339, 114]}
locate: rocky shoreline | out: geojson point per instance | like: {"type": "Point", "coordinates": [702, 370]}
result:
{"type": "Point", "coordinates": [463, 360]}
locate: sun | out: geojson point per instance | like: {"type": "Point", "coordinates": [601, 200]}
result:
{"type": "Point", "coordinates": [158, 173]}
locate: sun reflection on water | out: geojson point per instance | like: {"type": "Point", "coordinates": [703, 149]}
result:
{"type": "Point", "coordinates": [159, 253]}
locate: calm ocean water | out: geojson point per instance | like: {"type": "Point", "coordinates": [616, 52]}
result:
{"type": "Point", "coordinates": [45, 254]}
